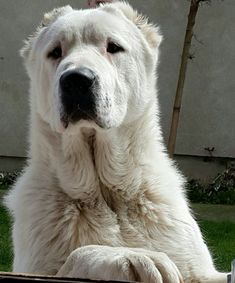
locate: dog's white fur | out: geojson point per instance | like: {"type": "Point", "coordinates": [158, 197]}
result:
{"type": "Point", "coordinates": [102, 202]}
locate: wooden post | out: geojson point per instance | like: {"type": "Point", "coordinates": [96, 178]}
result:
{"type": "Point", "coordinates": [182, 73]}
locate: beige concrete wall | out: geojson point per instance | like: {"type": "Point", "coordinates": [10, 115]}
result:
{"type": "Point", "coordinates": [207, 116]}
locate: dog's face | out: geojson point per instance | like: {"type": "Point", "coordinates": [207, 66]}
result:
{"type": "Point", "coordinates": [92, 67]}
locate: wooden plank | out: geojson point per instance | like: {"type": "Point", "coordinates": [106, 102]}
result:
{"type": "Point", "coordinates": [12, 277]}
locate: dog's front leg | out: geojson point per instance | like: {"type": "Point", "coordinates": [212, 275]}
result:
{"type": "Point", "coordinates": [120, 263]}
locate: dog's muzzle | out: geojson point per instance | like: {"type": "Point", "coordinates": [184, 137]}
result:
{"type": "Point", "coordinates": [78, 94]}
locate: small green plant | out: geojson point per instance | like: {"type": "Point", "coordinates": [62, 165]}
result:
{"type": "Point", "coordinates": [220, 191]}
{"type": "Point", "coordinates": [7, 179]}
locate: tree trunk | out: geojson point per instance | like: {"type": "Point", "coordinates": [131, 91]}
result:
{"type": "Point", "coordinates": [182, 73]}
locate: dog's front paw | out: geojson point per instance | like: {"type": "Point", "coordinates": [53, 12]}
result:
{"type": "Point", "coordinates": [111, 263]}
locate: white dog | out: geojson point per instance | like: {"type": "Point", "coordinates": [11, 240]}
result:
{"type": "Point", "coordinates": [100, 197]}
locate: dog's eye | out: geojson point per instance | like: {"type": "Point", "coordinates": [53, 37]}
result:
{"type": "Point", "coordinates": [56, 53]}
{"type": "Point", "coordinates": [114, 48]}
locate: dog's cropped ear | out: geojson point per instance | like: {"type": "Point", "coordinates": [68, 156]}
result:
{"type": "Point", "coordinates": [150, 31]}
{"type": "Point", "coordinates": [52, 16]}
{"type": "Point", "coordinates": [47, 20]}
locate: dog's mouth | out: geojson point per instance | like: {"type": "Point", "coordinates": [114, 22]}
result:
{"type": "Point", "coordinates": [79, 93]}
{"type": "Point", "coordinates": [77, 116]}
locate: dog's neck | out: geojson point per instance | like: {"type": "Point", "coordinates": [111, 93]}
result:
{"type": "Point", "coordinates": [115, 158]}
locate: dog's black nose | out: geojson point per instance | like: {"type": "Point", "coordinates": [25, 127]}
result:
{"type": "Point", "coordinates": [78, 91]}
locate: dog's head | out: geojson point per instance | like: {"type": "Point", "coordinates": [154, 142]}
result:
{"type": "Point", "coordinates": [92, 67]}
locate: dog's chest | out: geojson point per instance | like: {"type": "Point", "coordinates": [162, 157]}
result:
{"type": "Point", "coordinates": [109, 214]}
{"type": "Point", "coordinates": [64, 224]}
{"type": "Point", "coordinates": [109, 220]}
{"type": "Point", "coordinates": [112, 221]}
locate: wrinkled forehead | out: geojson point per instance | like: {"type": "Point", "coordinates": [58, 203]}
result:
{"type": "Point", "coordinates": [91, 26]}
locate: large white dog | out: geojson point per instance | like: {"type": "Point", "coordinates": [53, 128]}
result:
{"type": "Point", "coordinates": [100, 197]}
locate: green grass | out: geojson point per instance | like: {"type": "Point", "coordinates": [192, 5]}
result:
{"type": "Point", "coordinates": [5, 242]}
{"type": "Point", "coordinates": [217, 223]}
{"type": "Point", "coordinates": [220, 237]}
{"type": "Point", "coordinates": [217, 213]}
